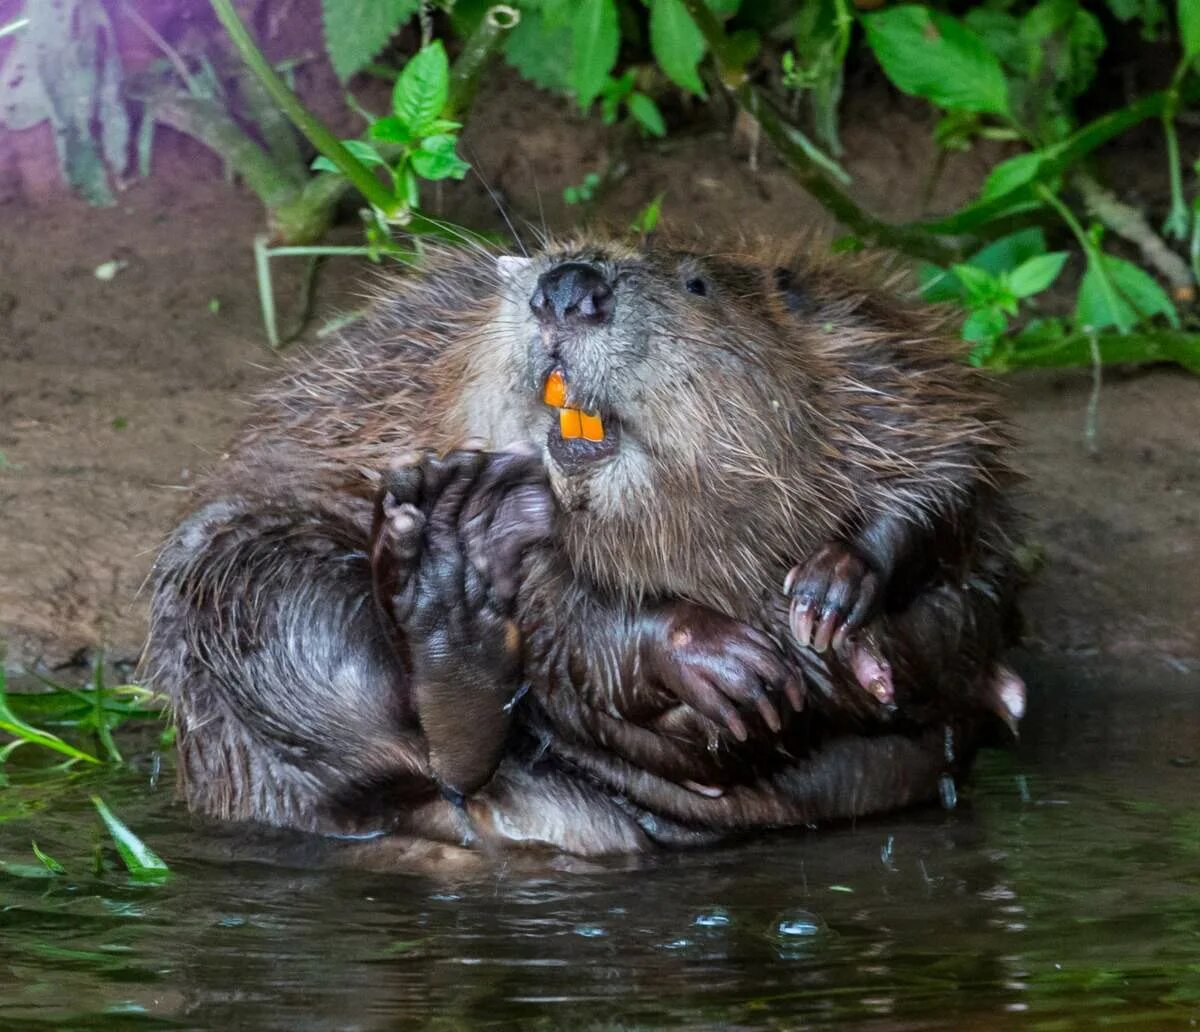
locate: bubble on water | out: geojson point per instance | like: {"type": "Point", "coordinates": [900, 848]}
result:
{"type": "Point", "coordinates": [591, 931]}
{"type": "Point", "coordinates": [795, 925]}
{"type": "Point", "coordinates": [717, 917]}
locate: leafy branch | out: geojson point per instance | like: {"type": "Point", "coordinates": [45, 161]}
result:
{"type": "Point", "coordinates": [807, 164]}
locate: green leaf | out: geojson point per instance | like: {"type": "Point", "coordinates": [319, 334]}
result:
{"type": "Point", "coordinates": [1014, 173]}
{"type": "Point", "coordinates": [51, 865]}
{"type": "Point", "coordinates": [1008, 252]}
{"type": "Point", "coordinates": [362, 150]}
{"type": "Point", "coordinates": [365, 153]}
{"type": "Point", "coordinates": [437, 159]}
{"type": "Point", "coordinates": [595, 41]}
{"type": "Point", "coordinates": [1189, 27]}
{"type": "Point", "coordinates": [389, 129]}
{"type": "Point", "coordinates": [535, 48]}
{"type": "Point", "coordinates": [615, 91]}
{"type": "Point", "coordinates": [646, 112]}
{"type": "Point", "coordinates": [979, 283]}
{"type": "Point", "coordinates": [1062, 43]}
{"type": "Point", "coordinates": [1001, 34]}
{"type": "Point", "coordinates": [1035, 274]}
{"type": "Point", "coordinates": [984, 324]}
{"type": "Point", "coordinates": [1138, 297]}
{"type": "Point", "coordinates": [423, 88]}
{"type": "Point", "coordinates": [931, 55]}
{"type": "Point", "coordinates": [140, 860]}
{"type": "Point", "coordinates": [938, 284]}
{"type": "Point", "coordinates": [677, 43]}
{"type": "Point", "coordinates": [356, 30]}
{"type": "Point", "coordinates": [647, 219]}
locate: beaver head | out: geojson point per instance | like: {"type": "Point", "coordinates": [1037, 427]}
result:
{"type": "Point", "coordinates": [673, 395]}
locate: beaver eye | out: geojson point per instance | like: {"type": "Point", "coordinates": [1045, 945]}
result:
{"type": "Point", "coordinates": [696, 286]}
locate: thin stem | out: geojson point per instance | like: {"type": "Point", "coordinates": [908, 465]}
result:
{"type": "Point", "coordinates": [1092, 418]}
{"type": "Point", "coordinates": [266, 289]}
{"type": "Point", "coordinates": [1179, 217]}
{"type": "Point", "coordinates": [1094, 255]}
{"type": "Point", "coordinates": [314, 131]}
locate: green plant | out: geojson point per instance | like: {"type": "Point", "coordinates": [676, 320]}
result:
{"type": "Point", "coordinates": [94, 711]}
{"type": "Point", "coordinates": [584, 191]}
{"type": "Point", "coordinates": [416, 140]}
{"type": "Point", "coordinates": [1009, 70]}
{"type": "Point", "coordinates": [993, 284]}
{"type": "Point", "coordinates": [423, 141]}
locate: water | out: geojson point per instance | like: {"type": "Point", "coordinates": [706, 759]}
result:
{"type": "Point", "coordinates": [1063, 893]}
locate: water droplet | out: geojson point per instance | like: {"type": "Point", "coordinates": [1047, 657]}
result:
{"type": "Point", "coordinates": [715, 918]}
{"type": "Point", "coordinates": [796, 924]}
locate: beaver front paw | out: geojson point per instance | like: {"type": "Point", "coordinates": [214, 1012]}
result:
{"type": "Point", "coordinates": [449, 536]}
{"type": "Point", "coordinates": [720, 667]}
{"type": "Point", "coordinates": [833, 593]}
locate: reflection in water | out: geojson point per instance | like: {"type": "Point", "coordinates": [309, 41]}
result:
{"type": "Point", "coordinates": [1061, 894]}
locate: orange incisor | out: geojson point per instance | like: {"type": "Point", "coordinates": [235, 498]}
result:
{"type": "Point", "coordinates": [573, 423]}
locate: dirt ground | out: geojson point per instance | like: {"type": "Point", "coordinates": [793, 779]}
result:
{"type": "Point", "coordinates": [114, 395]}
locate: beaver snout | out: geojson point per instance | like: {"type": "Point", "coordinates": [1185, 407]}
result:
{"type": "Point", "coordinates": [572, 293]}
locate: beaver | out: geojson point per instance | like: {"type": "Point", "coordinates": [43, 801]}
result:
{"type": "Point", "coordinates": [612, 545]}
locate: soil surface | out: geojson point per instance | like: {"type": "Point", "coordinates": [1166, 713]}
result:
{"type": "Point", "coordinates": [115, 394]}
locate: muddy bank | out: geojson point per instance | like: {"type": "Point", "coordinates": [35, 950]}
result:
{"type": "Point", "coordinates": [114, 394]}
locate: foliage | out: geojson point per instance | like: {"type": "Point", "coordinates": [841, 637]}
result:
{"type": "Point", "coordinates": [1018, 69]}
{"type": "Point", "coordinates": [356, 30]}
{"type": "Point", "coordinates": [423, 143]}
{"type": "Point", "coordinates": [93, 711]}
{"type": "Point", "coordinates": [1013, 71]}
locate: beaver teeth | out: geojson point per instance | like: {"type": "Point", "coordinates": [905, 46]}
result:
{"type": "Point", "coordinates": [573, 423]}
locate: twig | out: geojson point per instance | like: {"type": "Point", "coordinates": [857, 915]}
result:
{"type": "Point", "coordinates": [1130, 224]}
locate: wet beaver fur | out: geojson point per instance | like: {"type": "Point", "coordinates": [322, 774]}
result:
{"type": "Point", "coordinates": [772, 589]}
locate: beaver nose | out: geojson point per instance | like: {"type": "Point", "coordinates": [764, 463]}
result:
{"type": "Point", "coordinates": [572, 293]}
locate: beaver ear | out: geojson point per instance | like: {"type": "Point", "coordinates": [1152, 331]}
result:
{"type": "Point", "coordinates": [795, 298]}
{"type": "Point", "coordinates": [510, 266]}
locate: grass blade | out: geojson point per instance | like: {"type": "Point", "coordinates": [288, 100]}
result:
{"type": "Point", "coordinates": [15, 726]}
{"type": "Point", "coordinates": [140, 860]}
